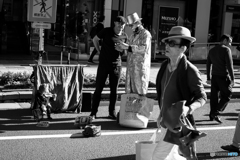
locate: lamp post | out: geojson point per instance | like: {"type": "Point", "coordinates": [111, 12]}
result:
{"type": "Point", "coordinates": [65, 5]}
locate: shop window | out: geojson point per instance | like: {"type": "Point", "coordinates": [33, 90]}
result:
{"type": "Point", "coordinates": [215, 21]}
{"type": "Point", "coordinates": [236, 27]}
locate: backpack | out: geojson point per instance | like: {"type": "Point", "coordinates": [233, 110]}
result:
{"type": "Point", "coordinates": [93, 31]}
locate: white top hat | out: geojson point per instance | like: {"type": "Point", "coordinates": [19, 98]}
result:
{"type": "Point", "coordinates": [179, 32]}
{"type": "Point", "coordinates": [132, 18]}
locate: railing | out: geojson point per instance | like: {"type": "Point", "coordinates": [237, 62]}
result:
{"type": "Point", "coordinates": [199, 51]}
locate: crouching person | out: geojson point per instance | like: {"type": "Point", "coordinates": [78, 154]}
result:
{"type": "Point", "coordinates": [42, 104]}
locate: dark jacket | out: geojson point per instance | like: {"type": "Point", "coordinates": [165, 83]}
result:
{"type": "Point", "coordinates": [189, 82]}
{"type": "Point", "coordinates": [190, 88]}
{"type": "Point", "coordinates": [220, 58]}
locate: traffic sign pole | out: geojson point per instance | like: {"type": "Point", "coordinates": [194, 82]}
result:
{"type": "Point", "coordinates": [41, 41]}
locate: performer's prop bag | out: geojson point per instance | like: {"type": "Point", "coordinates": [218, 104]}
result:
{"type": "Point", "coordinates": [92, 130]}
{"type": "Point", "coordinates": [135, 110]}
{"type": "Point", "coordinates": [82, 121]}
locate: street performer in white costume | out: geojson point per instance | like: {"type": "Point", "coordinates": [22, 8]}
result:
{"type": "Point", "coordinates": [139, 57]}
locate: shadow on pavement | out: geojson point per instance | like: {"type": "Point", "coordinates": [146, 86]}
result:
{"type": "Point", "coordinates": [201, 156]}
{"type": "Point", "coordinates": [128, 157]}
{"type": "Point", "coordinates": [208, 124]}
{"type": "Point", "coordinates": [229, 114]}
{"type": "Point", "coordinates": [232, 119]}
{"type": "Point", "coordinates": [22, 119]}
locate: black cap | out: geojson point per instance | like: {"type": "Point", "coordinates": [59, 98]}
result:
{"type": "Point", "coordinates": [120, 19]}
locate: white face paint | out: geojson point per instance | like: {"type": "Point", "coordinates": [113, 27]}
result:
{"type": "Point", "coordinates": [133, 26]}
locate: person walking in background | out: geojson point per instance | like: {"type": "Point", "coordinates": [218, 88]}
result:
{"type": "Point", "coordinates": [139, 57]}
{"type": "Point", "coordinates": [178, 80]}
{"type": "Point", "coordinates": [235, 146]}
{"type": "Point", "coordinates": [220, 63]}
{"type": "Point", "coordinates": [109, 63]}
{"type": "Point", "coordinates": [99, 26]}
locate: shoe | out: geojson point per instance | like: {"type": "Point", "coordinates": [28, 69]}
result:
{"type": "Point", "coordinates": [216, 118]}
{"type": "Point", "coordinates": [230, 148]}
{"type": "Point", "coordinates": [50, 118]}
{"type": "Point", "coordinates": [93, 116]}
{"type": "Point", "coordinates": [112, 115]}
{"type": "Point", "coordinates": [89, 61]}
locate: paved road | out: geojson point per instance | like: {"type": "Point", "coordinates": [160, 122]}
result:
{"type": "Point", "coordinates": [20, 138]}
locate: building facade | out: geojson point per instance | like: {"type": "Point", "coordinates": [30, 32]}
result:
{"type": "Point", "coordinates": [206, 19]}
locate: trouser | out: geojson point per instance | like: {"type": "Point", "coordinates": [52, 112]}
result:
{"type": "Point", "coordinates": [165, 150]}
{"type": "Point", "coordinates": [114, 73]}
{"type": "Point", "coordinates": [94, 52]}
{"type": "Point", "coordinates": [221, 93]}
{"type": "Point", "coordinates": [236, 137]}
{"type": "Point", "coordinates": [48, 111]}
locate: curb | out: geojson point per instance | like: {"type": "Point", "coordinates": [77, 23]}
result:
{"type": "Point", "coordinates": [21, 95]}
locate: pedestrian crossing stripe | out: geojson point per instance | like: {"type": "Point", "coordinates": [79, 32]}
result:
{"type": "Point", "coordinates": [79, 135]}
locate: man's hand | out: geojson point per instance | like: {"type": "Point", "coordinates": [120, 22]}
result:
{"type": "Point", "coordinates": [118, 48]}
{"type": "Point", "coordinates": [123, 45]}
{"type": "Point", "coordinates": [208, 81]}
{"type": "Point", "coordinates": [232, 83]}
{"type": "Point", "coordinates": [187, 110]}
{"type": "Point", "coordinates": [159, 122]}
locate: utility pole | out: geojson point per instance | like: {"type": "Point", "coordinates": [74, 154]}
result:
{"type": "Point", "coordinates": [66, 3]}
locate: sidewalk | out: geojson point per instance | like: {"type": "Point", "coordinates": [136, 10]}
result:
{"type": "Point", "coordinates": [92, 69]}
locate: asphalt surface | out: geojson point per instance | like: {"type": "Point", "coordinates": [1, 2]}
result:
{"type": "Point", "coordinates": [20, 138]}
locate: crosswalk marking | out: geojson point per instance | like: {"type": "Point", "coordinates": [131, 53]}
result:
{"type": "Point", "coordinates": [78, 135]}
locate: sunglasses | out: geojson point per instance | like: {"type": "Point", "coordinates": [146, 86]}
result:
{"type": "Point", "coordinates": [131, 25]}
{"type": "Point", "coordinates": [171, 43]}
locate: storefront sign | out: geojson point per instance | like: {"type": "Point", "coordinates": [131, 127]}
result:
{"type": "Point", "coordinates": [233, 8]}
{"type": "Point", "coordinates": [168, 18]}
{"type": "Point", "coordinates": [42, 10]}
{"type": "Point", "coordinates": [95, 17]}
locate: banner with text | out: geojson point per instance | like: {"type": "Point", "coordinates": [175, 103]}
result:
{"type": "Point", "coordinates": [168, 17]}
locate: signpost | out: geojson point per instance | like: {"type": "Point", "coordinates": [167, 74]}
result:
{"type": "Point", "coordinates": [41, 25]}
{"type": "Point", "coordinates": [41, 13]}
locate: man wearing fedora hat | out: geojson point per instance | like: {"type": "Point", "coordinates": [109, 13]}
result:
{"type": "Point", "coordinates": [139, 57]}
{"type": "Point", "coordinates": [110, 63]}
{"type": "Point", "coordinates": [178, 80]}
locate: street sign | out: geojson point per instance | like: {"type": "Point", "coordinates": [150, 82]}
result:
{"type": "Point", "coordinates": [41, 25]}
{"type": "Point", "coordinates": [42, 10]}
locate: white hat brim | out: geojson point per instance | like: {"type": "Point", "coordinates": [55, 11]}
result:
{"type": "Point", "coordinates": [191, 39]}
{"type": "Point", "coordinates": [135, 21]}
